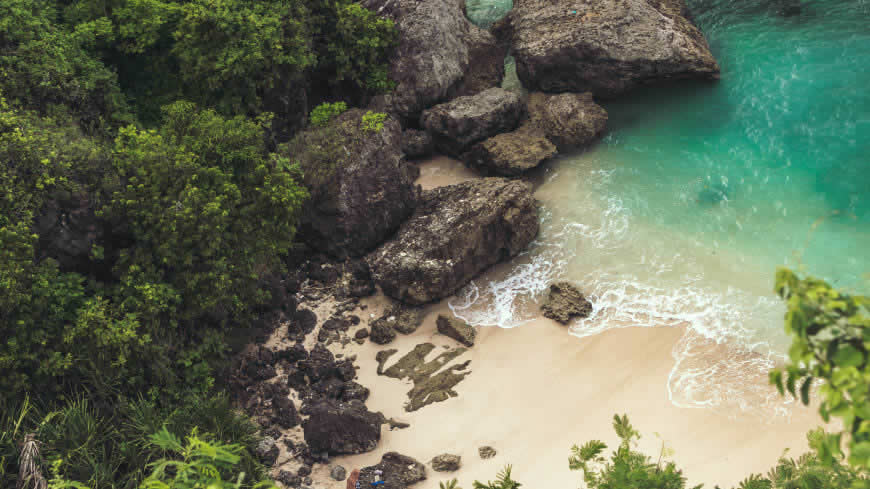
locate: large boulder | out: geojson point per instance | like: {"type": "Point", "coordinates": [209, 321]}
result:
{"type": "Point", "coordinates": [397, 471]}
{"type": "Point", "coordinates": [463, 121]}
{"type": "Point", "coordinates": [567, 119]}
{"type": "Point", "coordinates": [606, 46]}
{"type": "Point", "coordinates": [486, 63]}
{"type": "Point", "coordinates": [341, 428]}
{"type": "Point", "coordinates": [510, 153]}
{"type": "Point", "coordinates": [417, 144]}
{"type": "Point", "coordinates": [431, 58]}
{"type": "Point", "coordinates": [455, 233]}
{"type": "Point", "coordinates": [361, 187]}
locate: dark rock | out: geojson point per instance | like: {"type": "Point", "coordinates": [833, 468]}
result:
{"type": "Point", "coordinates": [446, 463]}
{"type": "Point", "coordinates": [486, 452]}
{"type": "Point", "coordinates": [353, 390]}
{"type": "Point", "coordinates": [332, 388]}
{"type": "Point", "coordinates": [301, 324]}
{"type": "Point", "coordinates": [565, 302]}
{"type": "Point", "coordinates": [354, 320]}
{"type": "Point", "coordinates": [325, 273]}
{"type": "Point", "coordinates": [398, 472]}
{"type": "Point", "coordinates": [417, 144]}
{"type": "Point", "coordinates": [400, 318]}
{"type": "Point", "coordinates": [360, 186]}
{"type": "Point", "coordinates": [308, 481]}
{"type": "Point", "coordinates": [607, 46]}
{"type": "Point", "coordinates": [361, 334]}
{"type": "Point", "coordinates": [338, 472]}
{"type": "Point", "coordinates": [432, 381]}
{"type": "Point", "coordinates": [292, 354]}
{"type": "Point", "coordinates": [304, 471]}
{"type": "Point", "coordinates": [285, 412]}
{"type": "Point", "coordinates": [345, 370]}
{"type": "Point", "coordinates": [360, 282]}
{"type": "Point", "coordinates": [289, 479]}
{"type": "Point", "coordinates": [320, 364]}
{"type": "Point", "coordinates": [341, 428]}
{"type": "Point", "coordinates": [567, 119]}
{"type": "Point", "coordinates": [267, 451]}
{"type": "Point", "coordinates": [457, 329]}
{"type": "Point", "coordinates": [432, 55]}
{"type": "Point", "coordinates": [463, 121]}
{"type": "Point", "coordinates": [296, 379]}
{"type": "Point", "coordinates": [382, 332]}
{"type": "Point", "coordinates": [457, 232]}
{"type": "Point", "coordinates": [510, 153]}
{"type": "Point", "coordinates": [486, 63]}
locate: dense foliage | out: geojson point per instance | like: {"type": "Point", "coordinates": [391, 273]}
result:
{"type": "Point", "coordinates": [830, 333]}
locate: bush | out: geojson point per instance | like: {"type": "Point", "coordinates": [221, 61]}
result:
{"type": "Point", "coordinates": [373, 121]}
{"type": "Point", "coordinates": [323, 113]}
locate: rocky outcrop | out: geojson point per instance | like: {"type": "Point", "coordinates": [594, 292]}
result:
{"type": "Point", "coordinates": [417, 144]}
{"type": "Point", "coordinates": [486, 63]}
{"type": "Point", "coordinates": [397, 471]}
{"type": "Point", "coordinates": [446, 462]}
{"type": "Point", "coordinates": [510, 153]}
{"type": "Point", "coordinates": [455, 233]}
{"type": "Point", "coordinates": [341, 428]}
{"type": "Point", "coordinates": [458, 124]}
{"type": "Point", "coordinates": [565, 302]}
{"type": "Point", "coordinates": [607, 46]}
{"type": "Point", "coordinates": [432, 55]}
{"type": "Point", "coordinates": [567, 119]}
{"type": "Point", "coordinates": [456, 328]}
{"type": "Point", "coordinates": [361, 188]}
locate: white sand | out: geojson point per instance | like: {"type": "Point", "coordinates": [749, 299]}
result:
{"type": "Point", "coordinates": [536, 390]}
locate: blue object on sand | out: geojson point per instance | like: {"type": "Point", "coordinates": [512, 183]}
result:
{"type": "Point", "coordinates": [377, 483]}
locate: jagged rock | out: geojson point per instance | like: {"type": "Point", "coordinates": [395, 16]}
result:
{"type": "Point", "coordinates": [463, 121]}
{"type": "Point", "coordinates": [361, 334]}
{"type": "Point", "coordinates": [607, 46]}
{"type": "Point", "coordinates": [304, 471]}
{"type": "Point", "coordinates": [417, 144]}
{"type": "Point", "coordinates": [486, 63]}
{"type": "Point", "coordinates": [320, 364]}
{"type": "Point", "coordinates": [486, 452]}
{"type": "Point", "coordinates": [429, 386]}
{"type": "Point", "coordinates": [432, 56]}
{"type": "Point", "coordinates": [341, 428]}
{"type": "Point", "coordinates": [400, 318]}
{"type": "Point", "coordinates": [301, 324]}
{"type": "Point", "coordinates": [292, 354]}
{"type": "Point", "coordinates": [510, 153]}
{"type": "Point", "coordinates": [446, 462]}
{"type": "Point", "coordinates": [565, 302]}
{"type": "Point", "coordinates": [360, 282]}
{"type": "Point", "coordinates": [285, 412]}
{"type": "Point", "coordinates": [456, 232]}
{"type": "Point", "coordinates": [457, 329]}
{"type": "Point", "coordinates": [338, 472]}
{"type": "Point", "coordinates": [289, 479]}
{"type": "Point", "coordinates": [398, 472]}
{"type": "Point", "coordinates": [360, 186]}
{"type": "Point", "coordinates": [382, 332]}
{"type": "Point", "coordinates": [267, 451]}
{"type": "Point", "coordinates": [567, 119]}
{"type": "Point", "coordinates": [353, 390]}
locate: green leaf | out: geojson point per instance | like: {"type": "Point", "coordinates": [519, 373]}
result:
{"type": "Point", "coordinates": [848, 356]}
{"type": "Point", "coordinates": [805, 390]}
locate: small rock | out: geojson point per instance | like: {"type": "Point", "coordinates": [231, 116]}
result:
{"type": "Point", "coordinates": [361, 334]}
{"type": "Point", "coordinates": [486, 452]}
{"type": "Point", "coordinates": [457, 329]}
{"type": "Point", "coordinates": [397, 471]}
{"type": "Point", "coordinates": [565, 302]}
{"type": "Point", "coordinates": [304, 471]}
{"type": "Point", "coordinates": [289, 479]}
{"type": "Point", "coordinates": [338, 472]}
{"type": "Point", "coordinates": [446, 462]}
{"type": "Point", "coordinates": [382, 332]}
{"type": "Point", "coordinates": [267, 451]}
{"type": "Point", "coordinates": [307, 481]}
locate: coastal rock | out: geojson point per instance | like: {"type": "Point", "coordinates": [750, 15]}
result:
{"type": "Point", "coordinates": [341, 428]}
{"type": "Point", "coordinates": [289, 479]}
{"type": "Point", "coordinates": [359, 279]}
{"type": "Point", "coordinates": [360, 186]}
{"type": "Point", "coordinates": [285, 414]}
{"type": "Point", "coordinates": [567, 119]}
{"type": "Point", "coordinates": [486, 63]}
{"type": "Point", "coordinates": [417, 144]}
{"type": "Point", "coordinates": [337, 472]}
{"type": "Point", "coordinates": [267, 451]}
{"type": "Point", "coordinates": [301, 324]}
{"type": "Point", "coordinates": [510, 153]}
{"type": "Point", "coordinates": [464, 121]}
{"type": "Point", "coordinates": [397, 471]}
{"type": "Point", "coordinates": [486, 452]}
{"type": "Point", "coordinates": [606, 47]}
{"type": "Point", "coordinates": [404, 319]}
{"type": "Point", "coordinates": [565, 302]}
{"type": "Point", "coordinates": [446, 463]}
{"type": "Point", "coordinates": [456, 232]}
{"type": "Point", "coordinates": [457, 329]}
{"type": "Point", "coordinates": [382, 332]}
{"type": "Point", "coordinates": [432, 55]}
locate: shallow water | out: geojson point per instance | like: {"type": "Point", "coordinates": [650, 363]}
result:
{"type": "Point", "coordinates": [682, 213]}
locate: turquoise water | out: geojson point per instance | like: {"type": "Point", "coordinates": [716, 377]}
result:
{"type": "Point", "coordinates": [681, 214]}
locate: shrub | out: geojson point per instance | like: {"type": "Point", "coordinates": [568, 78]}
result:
{"type": "Point", "coordinates": [373, 121]}
{"type": "Point", "coordinates": [323, 113]}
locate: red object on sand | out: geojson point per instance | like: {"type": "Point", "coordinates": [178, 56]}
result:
{"type": "Point", "coordinates": [351, 481]}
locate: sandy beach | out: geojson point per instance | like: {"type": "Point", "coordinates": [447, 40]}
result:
{"type": "Point", "coordinates": [536, 390]}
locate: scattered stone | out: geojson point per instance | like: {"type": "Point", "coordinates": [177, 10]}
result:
{"type": "Point", "coordinates": [307, 481]}
{"type": "Point", "coordinates": [567, 119]}
{"type": "Point", "coordinates": [304, 471]}
{"type": "Point", "coordinates": [446, 463]}
{"type": "Point", "coordinates": [486, 452]}
{"type": "Point", "coordinates": [397, 471]}
{"type": "Point", "coordinates": [289, 479]}
{"type": "Point", "coordinates": [267, 451]}
{"type": "Point", "coordinates": [607, 46]}
{"type": "Point", "coordinates": [463, 121]}
{"type": "Point", "coordinates": [361, 334]}
{"type": "Point", "coordinates": [457, 329]}
{"type": "Point", "coordinates": [510, 153]}
{"type": "Point", "coordinates": [565, 302]}
{"type": "Point", "coordinates": [382, 332]}
{"type": "Point", "coordinates": [285, 412]}
{"type": "Point", "coordinates": [338, 472]}
{"type": "Point", "coordinates": [341, 428]}
{"type": "Point", "coordinates": [456, 232]}
{"type": "Point", "coordinates": [302, 323]}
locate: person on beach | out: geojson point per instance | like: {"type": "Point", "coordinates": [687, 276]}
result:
{"type": "Point", "coordinates": [353, 480]}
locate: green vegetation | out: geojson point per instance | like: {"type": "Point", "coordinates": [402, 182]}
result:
{"type": "Point", "coordinates": [323, 113]}
{"type": "Point", "coordinates": [373, 121]}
